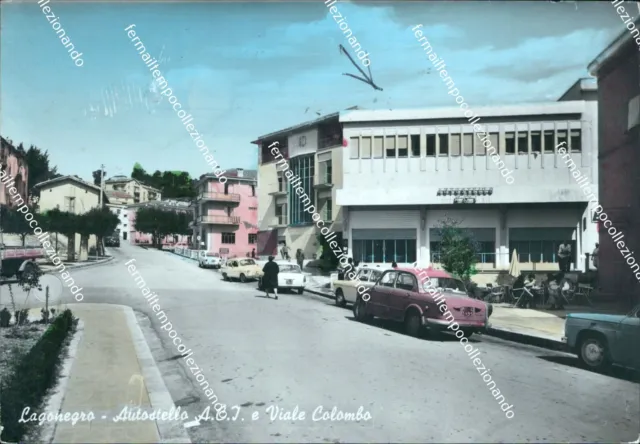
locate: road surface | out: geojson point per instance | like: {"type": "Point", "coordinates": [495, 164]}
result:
{"type": "Point", "coordinates": [302, 351]}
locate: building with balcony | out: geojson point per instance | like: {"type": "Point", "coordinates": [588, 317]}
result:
{"type": "Point", "coordinates": [14, 164]}
{"type": "Point", "coordinates": [617, 69]}
{"type": "Point", "coordinates": [313, 151]}
{"type": "Point", "coordinates": [404, 171]}
{"type": "Point", "coordinates": [128, 191]}
{"type": "Point", "coordinates": [226, 214]}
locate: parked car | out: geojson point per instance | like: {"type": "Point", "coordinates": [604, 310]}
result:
{"type": "Point", "coordinates": [600, 340]}
{"type": "Point", "coordinates": [209, 260]}
{"type": "Point", "coordinates": [402, 295]}
{"type": "Point", "coordinates": [112, 241]}
{"type": "Point", "coordinates": [242, 269]}
{"type": "Point", "coordinates": [290, 277]}
{"type": "Point", "coordinates": [347, 291]}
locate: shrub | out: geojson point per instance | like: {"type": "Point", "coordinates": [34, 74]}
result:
{"type": "Point", "coordinates": [5, 318]}
{"type": "Point", "coordinates": [31, 377]}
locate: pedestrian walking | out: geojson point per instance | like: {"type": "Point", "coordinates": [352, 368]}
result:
{"type": "Point", "coordinates": [595, 256]}
{"type": "Point", "coordinates": [564, 256]}
{"type": "Point", "coordinates": [270, 277]}
{"type": "Point", "coordinates": [300, 258]}
{"type": "Point", "coordinates": [253, 253]}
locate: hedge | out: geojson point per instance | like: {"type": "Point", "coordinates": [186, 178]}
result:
{"type": "Point", "coordinates": [32, 376]}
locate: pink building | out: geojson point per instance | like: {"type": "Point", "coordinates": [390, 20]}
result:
{"type": "Point", "coordinates": [136, 237]}
{"type": "Point", "coordinates": [14, 164]}
{"type": "Point", "coordinates": [226, 215]}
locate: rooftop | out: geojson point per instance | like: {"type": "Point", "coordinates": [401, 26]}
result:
{"type": "Point", "coordinates": [72, 178]}
{"type": "Point", "coordinates": [614, 48]}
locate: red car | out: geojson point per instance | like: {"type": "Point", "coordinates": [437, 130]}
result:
{"type": "Point", "coordinates": [423, 297]}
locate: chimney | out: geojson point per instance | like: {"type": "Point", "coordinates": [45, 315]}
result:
{"type": "Point", "coordinates": [240, 172]}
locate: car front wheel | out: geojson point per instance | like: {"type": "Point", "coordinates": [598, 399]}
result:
{"type": "Point", "coordinates": [360, 311]}
{"type": "Point", "coordinates": [593, 352]}
{"type": "Point", "coordinates": [412, 324]}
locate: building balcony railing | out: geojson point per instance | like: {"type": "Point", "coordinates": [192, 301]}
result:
{"type": "Point", "coordinates": [278, 193]}
{"type": "Point", "coordinates": [220, 220]}
{"type": "Point", "coordinates": [279, 221]}
{"type": "Point", "coordinates": [219, 197]}
{"type": "Point", "coordinates": [323, 182]}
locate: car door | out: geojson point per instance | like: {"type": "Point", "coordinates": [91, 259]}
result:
{"type": "Point", "coordinates": [351, 290]}
{"type": "Point", "coordinates": [233, 270]}
{"type": "Point", "coordinates": [629, 337]}
{"type": "Point", "coordinates": [379, 302]}
{"type": "Point", "coordinates": [401, 296]}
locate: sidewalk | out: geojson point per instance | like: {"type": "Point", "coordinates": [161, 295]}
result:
{"type": "Point", "coordinates": [46, 266]}
{"type": "Point", "coordinates": [542, 328]}
{"type": "Point", "coordinates": [109, 367]}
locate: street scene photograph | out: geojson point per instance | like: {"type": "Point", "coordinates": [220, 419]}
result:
{"type": "Point", "coordinates": [320, 221]}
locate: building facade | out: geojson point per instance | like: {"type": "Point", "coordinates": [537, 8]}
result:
{"type": "Point", "coordinates": [617, 69]}
{"type": "Point", "coordinates": [125, 190]}
{"type": "Point", "coordinates": [13, 164]}
{"type": "Point", "coordinates": [122, 212]}
{"type": "Point", "coordinates": [226, 214]}
{"type": "Point", "coordinates": [313, 153]}
{"type": "Point", "coordinates": [74, 195]}
{"type": "Point", "coordinates": [405, 171]}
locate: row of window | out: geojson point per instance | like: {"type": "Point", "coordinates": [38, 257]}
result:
{"type": "Point", "coordinates": [468, 144]}
{"type": "Point", "coordinates": [324, 210]}
{"type": "Point", "coordinates": [385, 251]}
{"type": "Point", "coordinates": [539, 251]}
{"type": "Point", "coordinates": [230, 238]}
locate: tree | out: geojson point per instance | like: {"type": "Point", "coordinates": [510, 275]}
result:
{"type": "Point", "coordinates": [53, 222]}
{"type": "Point", "coordinates": [458, 249]}
{"type": "Point", "coordinates": [38, 164]}
{"type": "Point", "coordinates": [101, 222]}
{"type": "Point", "coordinates": [172, 184]}
{"type": "Point", "coordinates": [161, 223]}
{"type": "Point", "coordinates": [97, 177]}
{"type": "Point", "coordinates": [13, 221]}
{"type": "Point", "coordinates": [70, 225]}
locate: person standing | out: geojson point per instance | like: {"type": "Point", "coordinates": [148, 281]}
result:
{"type": "Point", "coordinates": [270, 277]}
{"type": "Point", "coordinates": [253, 253]}
{"type": "Point", "coordinates": [564, 256]}
{"type": "Point", "coordinates": [394, 264]}
{"type": "Point", "coordinates": [300, 258]}
{"type": "Point", "coordinates": [349, 269]}
{"type": "Point", "coordinates": [284, 251]}
{"type": "Point", "coordinates": [595, 256]}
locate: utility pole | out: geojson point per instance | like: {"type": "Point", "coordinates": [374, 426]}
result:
{"type": "Point", "coordinates": [101, 183]}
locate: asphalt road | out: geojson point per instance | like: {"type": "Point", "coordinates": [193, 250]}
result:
{"type": "Point", "coordinates": [303, 351]}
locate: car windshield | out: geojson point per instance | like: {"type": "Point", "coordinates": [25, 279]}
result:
{"type": "Point", "coordinates": [289, 268]}
{"type": "Point", "coordinates": [247, 262]}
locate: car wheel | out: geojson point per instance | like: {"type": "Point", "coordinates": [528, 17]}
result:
{"type": "Point", "coordinates": [412, 324]}
{"type": "Point", "coordinates": [243, 278]}
{"type": "Point", "coordinates": [200, 265]}
{"type": "Point", "coordinates": [300, 290]}
{"type": "Point", "coordinates": [593, 352]}
{"type": "Point", "coordinates": [467, 333]}
{"type": "Point", "coordinates": [360, 311]}
{"type": "Point", "coordinates": [340, 300]}
{"type": "Point", "coordinates": [225, 277]}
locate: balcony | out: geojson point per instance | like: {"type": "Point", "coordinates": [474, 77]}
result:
{"type": "Point", "coordinates": [219, 197]}
{"type": "Point", "coordinates": [323, 182]}
{"type": "Point", "coordinates": [279, 222]}
{"type": "Point", "coordinates": [278, 193]}
{"type": "Point", "coordinates": [220, 220]}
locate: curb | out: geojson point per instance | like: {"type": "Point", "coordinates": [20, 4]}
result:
{"type": "Point", "coordinates": [54, 404]}
{"type": "Point", "coordinates": [80, 266]}
{"type": "Point", "coordinates": [508, 335]}
{"type": "Point", "coordinates": [159, 395]}
{"type": "Point", "coordinates": [179, 255]}
{"type": "Point", "coordinates": [538, 341]}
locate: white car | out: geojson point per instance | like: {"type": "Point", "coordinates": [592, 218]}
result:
{"type": "Point", "coordinates": [346, 291]}
{"type": "Point", "coordinates": [290, 277]}
{"type": "Point", "coordinates": [209, 260]}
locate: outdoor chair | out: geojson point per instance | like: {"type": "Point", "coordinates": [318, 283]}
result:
{"type": "Point", "coordinates": [496, 295]}
{"type": "Point", "coordinates": [584, 292]}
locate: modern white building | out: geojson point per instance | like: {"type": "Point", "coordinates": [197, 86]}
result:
{"type": "Point", "coordinates": [123, 225]}
{"type": "Point", "coordinates": [406, 170]}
